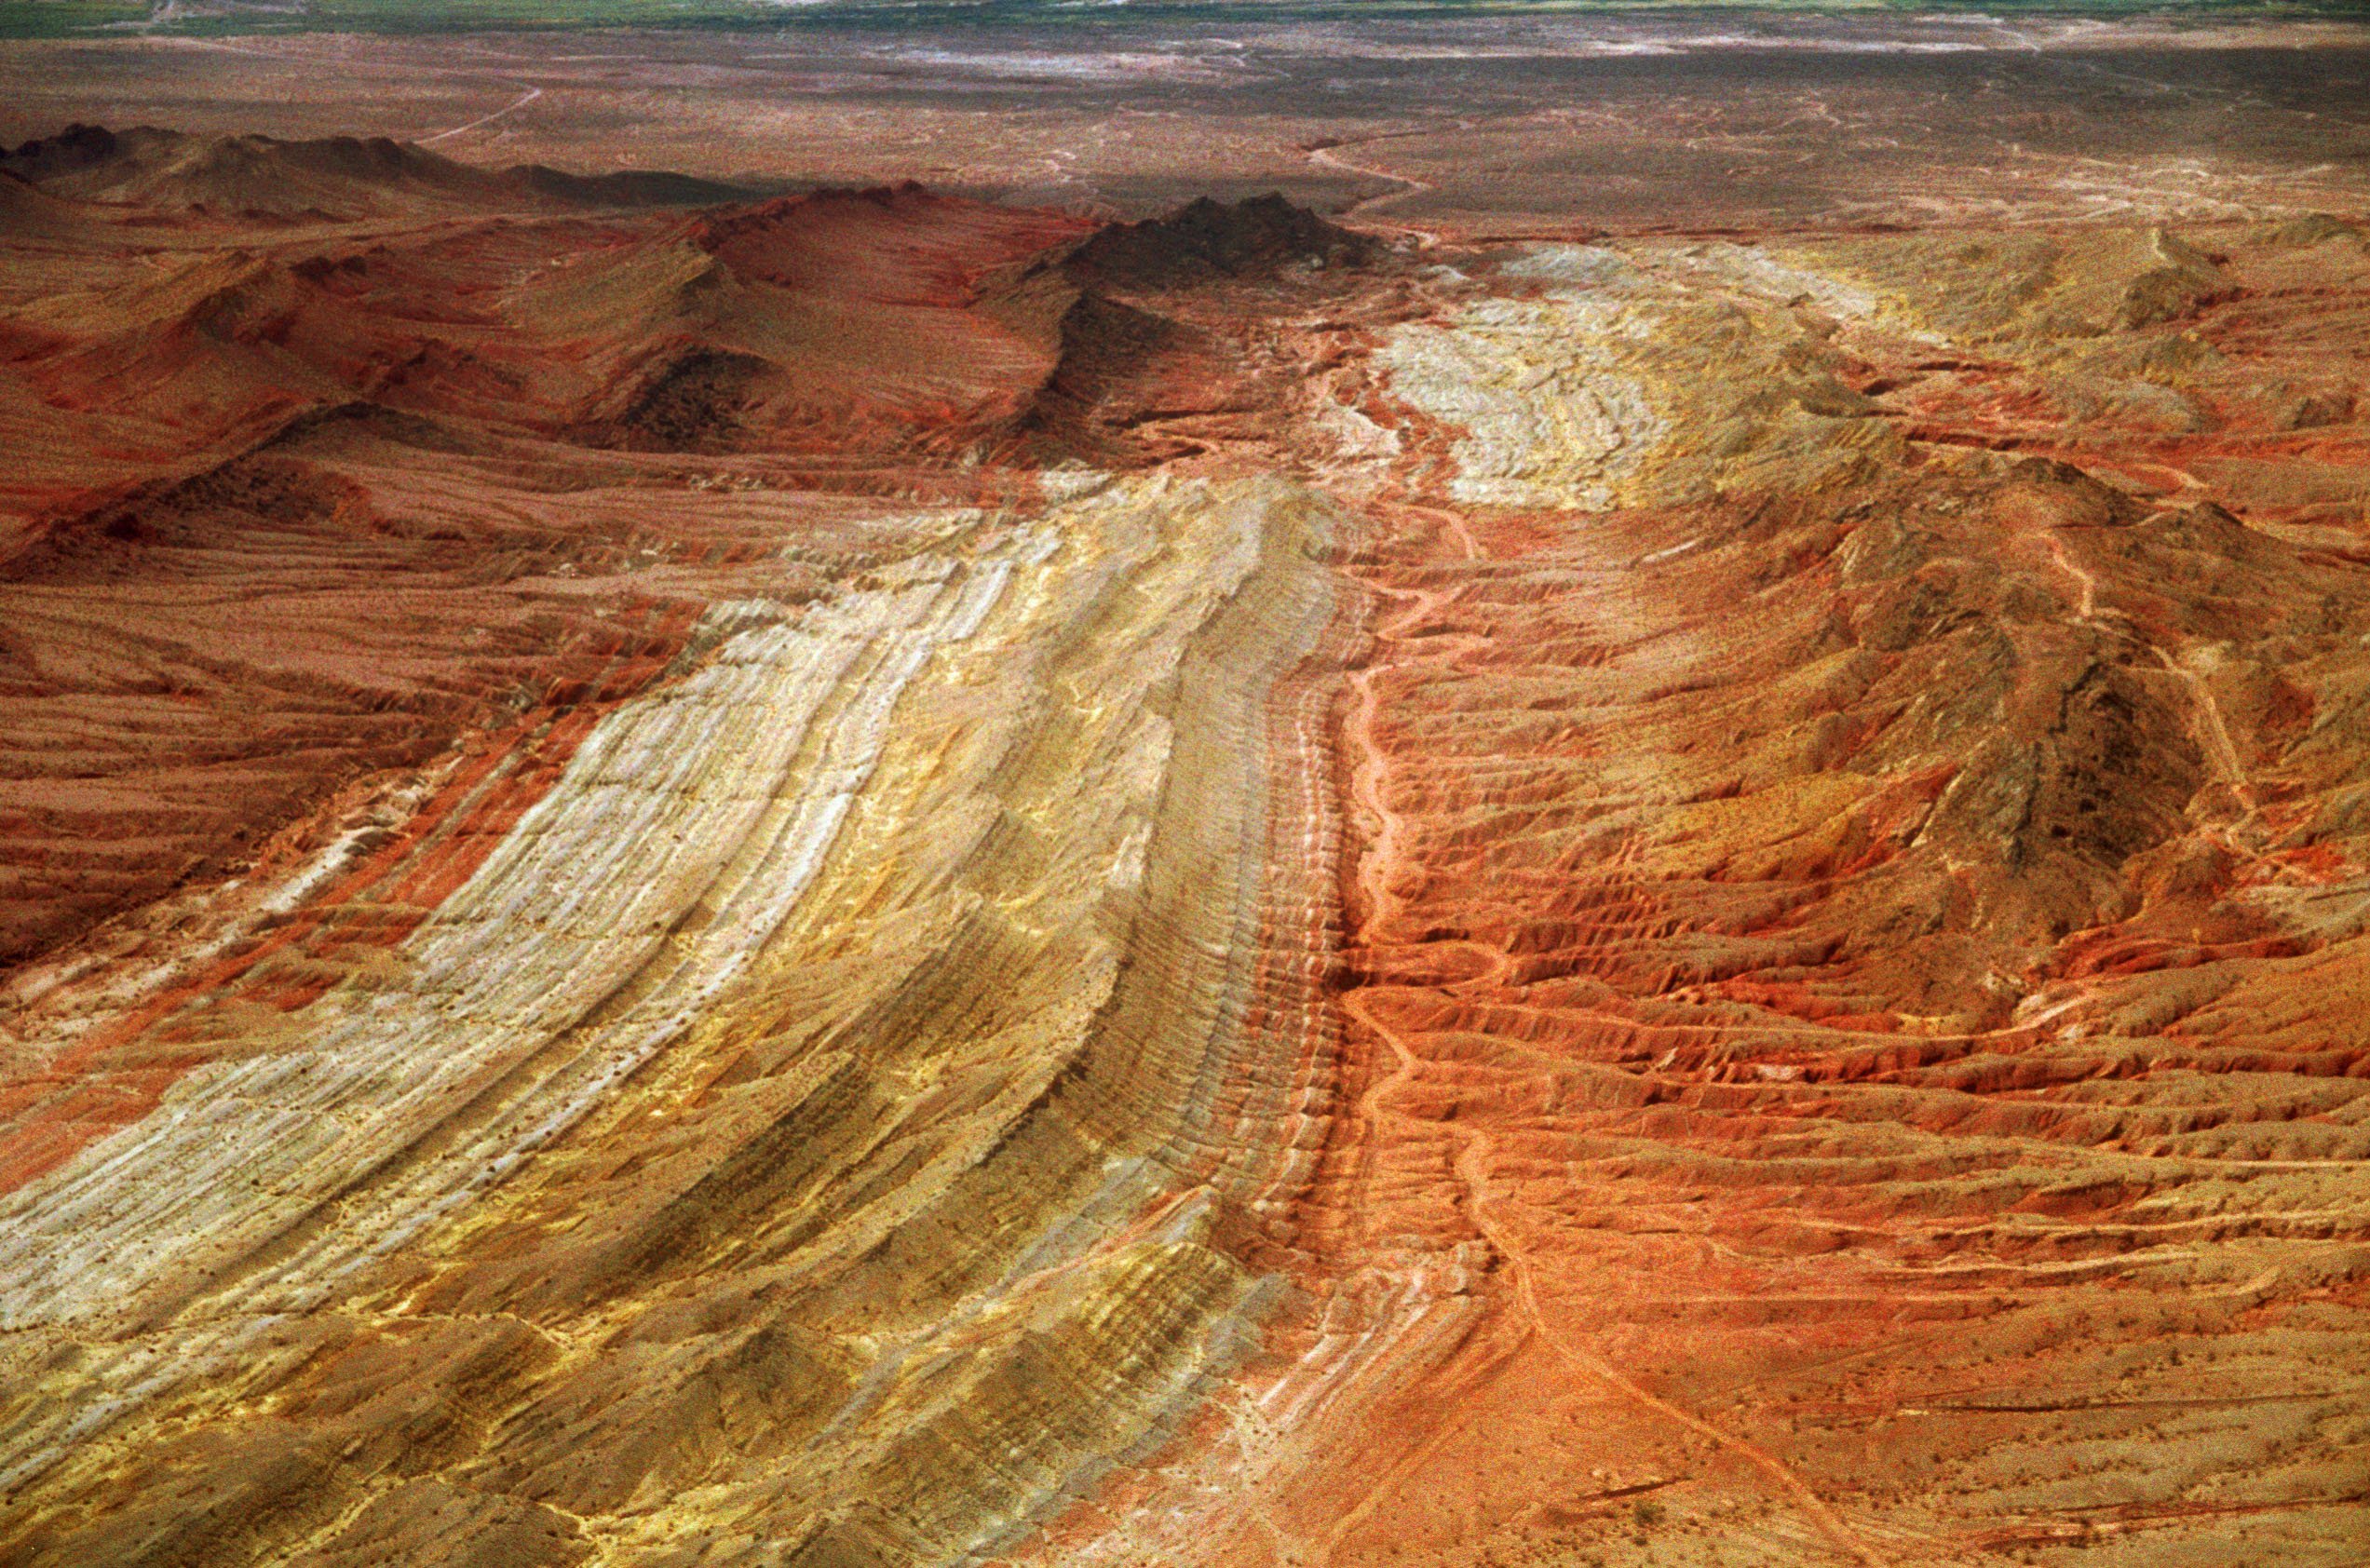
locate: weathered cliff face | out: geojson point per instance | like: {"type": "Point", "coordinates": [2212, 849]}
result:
{"type": "Point", "coordinates": [1641, 903]}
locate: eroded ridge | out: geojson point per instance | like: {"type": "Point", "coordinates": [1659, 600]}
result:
{"type": "Point", "coordinates": [893, 929]}
{"type": "Point", "coordinates": [1816, 900]}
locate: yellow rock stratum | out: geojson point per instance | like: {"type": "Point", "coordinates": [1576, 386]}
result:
{"type": "Point", "coordinates": [906, 953]}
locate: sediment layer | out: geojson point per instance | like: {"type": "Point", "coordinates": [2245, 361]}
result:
{"type": "Point", "coordinates": [871, 880]}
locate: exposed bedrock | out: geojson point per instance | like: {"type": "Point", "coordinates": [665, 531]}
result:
{"type": "Point", "coordinates": [1833, 923]}
{"type": "Point", "coordinates": [931, 1086]}
{"type": "Point", "coordinates": [874, 881]}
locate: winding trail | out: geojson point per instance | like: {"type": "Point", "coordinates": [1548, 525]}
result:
{"type": "Point", "coordinates": [2086, 584]}
{"type": "Point", "coordinates": [1475, 1148]}
{"type": "Point", "coordinates": [1473, 1169]}
{"type": "Point", "coordinates": [2212, 733]}
{"type": "Point", "coordinates": [1357, 212]}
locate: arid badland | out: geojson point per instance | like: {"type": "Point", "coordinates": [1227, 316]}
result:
{"type": "Point", "coordinates": [792, 796]}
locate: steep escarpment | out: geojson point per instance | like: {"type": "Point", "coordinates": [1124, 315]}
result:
{"type": "Point", "coordinates": [265, 178]}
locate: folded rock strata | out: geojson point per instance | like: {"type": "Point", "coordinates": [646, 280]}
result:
{"type": "Point", "coordinates": [1052, 1055]}
{"type": "Point", "coordinates": [1657, 900]}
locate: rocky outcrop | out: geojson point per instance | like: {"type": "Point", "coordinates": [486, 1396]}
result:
{"type": "Point", "coordinates": [1113, 990]}
{"type": "Point", "coordinates": [1205, 239]}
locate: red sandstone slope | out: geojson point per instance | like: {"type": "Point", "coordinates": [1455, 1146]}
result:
{"type": "Point", "coordinates": [215, 506]}
{"type": "Point", "coordinates": [841, 323]}
{"type": "Point", "coordinates": [1726, 930]}
{"type": "Point", "coordinates": [279, 424]}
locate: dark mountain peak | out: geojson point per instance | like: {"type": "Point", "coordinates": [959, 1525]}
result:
{"type": "Point", "coordinates": [1206, 237]}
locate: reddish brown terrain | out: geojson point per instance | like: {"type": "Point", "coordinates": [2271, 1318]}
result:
{"type": "Point", "coordinates": [704, 876]}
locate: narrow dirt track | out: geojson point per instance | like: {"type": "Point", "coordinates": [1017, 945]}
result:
{"type": "Point", "coordinates": [1400, 650]}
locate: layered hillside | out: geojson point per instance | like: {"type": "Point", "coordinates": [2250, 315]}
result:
{"type": "Point", "coordinates": [873, 879]}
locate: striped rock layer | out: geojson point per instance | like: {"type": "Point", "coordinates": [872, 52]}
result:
{"type": "Point", "coordinates": [1653, 902]}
